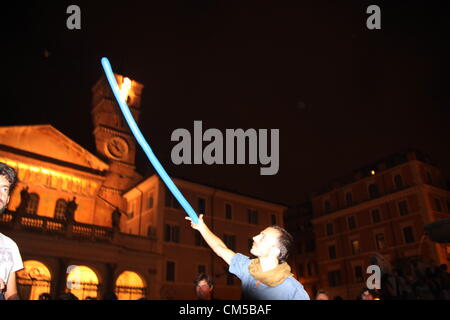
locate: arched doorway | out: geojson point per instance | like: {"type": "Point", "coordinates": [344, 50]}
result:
{"type": "Point", "coordinates": [82, 281]}
{"type": "Point", "coordinates": [130, 286]}
{"type": "Point", "coordinates": [33, 280]}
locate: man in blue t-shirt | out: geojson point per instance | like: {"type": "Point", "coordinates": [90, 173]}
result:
{"type": "Point", "coordinates": [268, 277]}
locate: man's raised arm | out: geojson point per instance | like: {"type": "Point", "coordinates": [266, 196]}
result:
{"type": "Point", "coordinates": [216, 244]}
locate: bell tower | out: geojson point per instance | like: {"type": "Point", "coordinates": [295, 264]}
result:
{"type": "Point", "coordinates": [113, 139]}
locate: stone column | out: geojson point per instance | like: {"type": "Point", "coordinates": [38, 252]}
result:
{"type": "Point", "coordinates": [59, 281]}
{"type": "Point", "coordinates": [108, 280]}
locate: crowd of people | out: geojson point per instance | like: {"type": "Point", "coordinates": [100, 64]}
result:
{"type": "Point", "coordinates": [417, 281]}
{"type": "Point", "coordinates": [414, 281]}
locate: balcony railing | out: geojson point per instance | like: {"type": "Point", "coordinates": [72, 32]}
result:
{"type": "Point", "coordinates": [40, 224]}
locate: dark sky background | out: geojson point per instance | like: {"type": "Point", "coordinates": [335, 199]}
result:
{"type": "Point", "coordinates": [342, 96]}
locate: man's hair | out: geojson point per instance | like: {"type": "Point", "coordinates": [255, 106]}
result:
{"type": "Point", "coordinates": [285, 241]}
{"type": "Point", "coordinates": [322, 292]}
{"type": "Point", "coordinates": [10, 175]}
{"type": "Point", "coordinates": [203, 276]}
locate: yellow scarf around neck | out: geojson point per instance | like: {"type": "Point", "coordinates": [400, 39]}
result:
{"type": "Point", "coordinates": [270, 278]}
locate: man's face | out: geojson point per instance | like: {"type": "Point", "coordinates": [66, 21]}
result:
{"type": "Point", "coordinates": [4, 193]}
{"type": "Point", "coordinates": [322, 296]}
{"type": "Point", "coordinates": [366, 295]}
{"type": "Point", "coordinates": [265, 244]}
{"type": "Point", "coordinates": [204, 290]}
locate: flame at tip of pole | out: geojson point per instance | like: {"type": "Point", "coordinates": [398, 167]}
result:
{"type": "Point", "coordinates": [125, 89]}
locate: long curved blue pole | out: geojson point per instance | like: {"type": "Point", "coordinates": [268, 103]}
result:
{"type": "Point", "coordinates": [143, 143]}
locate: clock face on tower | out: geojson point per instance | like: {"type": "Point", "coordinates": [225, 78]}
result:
{"type": "Point", "coordinates": [117, 148]}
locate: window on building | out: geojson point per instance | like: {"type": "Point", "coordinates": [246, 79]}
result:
{"type": "Point", "coordinates": [373, 191]}
{"type": "Point", "coordinates": [150, 201]}
{"type": "Point", "coordinates": [301, 270]}
{"type": "Point", "coordinates": [428, 178]}
{"type": "Point", "coordinates": [60, 209]}
{"type": "Point", "coordinates": [349, 199]}
{"type": "Point", "coordinates": [230, 241]}
{"type": "Point", "coordinates": [310, 245]}
{"type": "Point", "coordinates": [33, 204]}
{"type": "Point", "coordinates": [327, 206]}
{"type": "Point", "coordinates": [201, 205]}
{"type": "Point", "coordinates": [172, 233]}
{"type": "Point", "coordinates": [171, 202]}
{"type": "Point", "coordinates": [199, 241]}
{"type": "Point", "coordinates": [169, 199]}
{"type": "Point", "coordinates": [300, 248]}
{"type": "Point", "coordinates": [334, 278]}
{"type": "Point", "coordinates": [273, 219]}
{"type": "Point", "coordinates": [408, 234]}
{"type": "Point", "coordinates": [329, 229]}
{"type": "Point", "coordinates": [403, 207]}
{"type": "Point", "coordinates": [252, 216]}
{"type": "Point", "coordinates": [170, 271]}
{"type": "Point", "coordinates": [355, 247]}
{"type": "Point", "coordinates": [359, 277]}
{"type": "Point", "coordinates": [398, 180]}
{"type": "Point", "coordinates": [376, 216]}
{"type": "Point", "coordinates": [332, 252]}
{"type": "Point", "coordinates": [228, 211]}
{"type": "Point", "coordinates": [352, 222]}
{"type": "Point", "coordinates": [380, 241]}
{"type": "Point", "coordinates": [437, 203]}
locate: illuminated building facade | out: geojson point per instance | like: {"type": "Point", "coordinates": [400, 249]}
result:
{"type": "Point", "coordinates": [124, 234]}
{"type": "Point", "coordinates": [379, 211]}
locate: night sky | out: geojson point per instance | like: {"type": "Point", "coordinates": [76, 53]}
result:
{"type": "Point", "coordinates": [342, 96]}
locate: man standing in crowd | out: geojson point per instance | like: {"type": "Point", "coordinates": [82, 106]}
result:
{"type": "Point", "coordinates": [204, 287]}
{"type": "Point", "coordinates": [10, 259]}
{"type": "Point", "coordinates": [268, 277]}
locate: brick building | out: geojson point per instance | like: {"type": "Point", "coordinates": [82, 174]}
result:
{"type": "Point", "coordinates": [380, 210]}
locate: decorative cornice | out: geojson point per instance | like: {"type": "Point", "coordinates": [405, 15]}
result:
{"type": "Point", "coordinates": [39, 157]}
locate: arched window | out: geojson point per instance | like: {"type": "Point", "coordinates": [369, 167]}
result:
{"type": "Point", "coordinates": [33, 203]}
{"type": "Point", "coordinates": [82, 282]}
{"type": "Point", "coordinates": [130, 286]}
{"type": "Point", "coordinates": [60, 209]}
{"type": "Point", "coordinates": [33, 280]}
{"type": "Point", "coordinates": [398, 181]}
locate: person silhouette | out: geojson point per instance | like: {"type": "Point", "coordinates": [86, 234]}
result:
{"type": "Point", "coordinates": [115, 218]}
{"type": "Point", "coordinates": [24, 200]}
{"type": "Point", "coordinates": [70, 210]}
